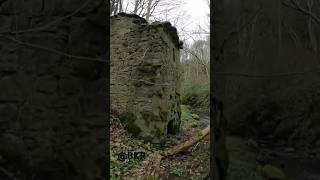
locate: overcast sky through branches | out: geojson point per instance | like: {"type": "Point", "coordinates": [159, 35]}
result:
{"type": "Point", "coordinates": [194, 13]}
{"type": "Point", "coordinates": [191, 17]}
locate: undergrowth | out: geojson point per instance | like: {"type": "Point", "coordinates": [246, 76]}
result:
{"type": "Point", "coordinates": [185, 113]}
{"type": "Point", "coordinates": [178, 171]}
{"type": "Point", "coordinates": [121, 142]}
{"type": "Point", "coordinates": [196, 95]}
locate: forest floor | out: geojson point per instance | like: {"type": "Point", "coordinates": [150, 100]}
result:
{"type": "Point", "coordinates": [247, 158]}
{"type": "Point", "coordinates": [297, 164]}
{"type": "Point", "coordinates": [193, 163]}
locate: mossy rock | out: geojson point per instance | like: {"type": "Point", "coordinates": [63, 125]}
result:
{"type": "Point", "coordinates": [129, 119]}
{"type": "Point", "coordinates": [194, 124]}
{"type": "Point", "coordinates": [160, 23]}
{"type": "Point", "coordinates": [195, 116]}
{"type": "Point", "coordinates": [132, 16]}
{"type": "Point", "coordinates": [274, 173]}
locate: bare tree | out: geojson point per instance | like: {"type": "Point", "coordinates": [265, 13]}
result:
{"type": "Point", "coordinates": [149, 9]}
{"type": "Point", "coordinates": [116, 6]}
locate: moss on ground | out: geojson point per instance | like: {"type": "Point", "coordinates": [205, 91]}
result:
{"type": "Point", "coordinates": [185, 113]}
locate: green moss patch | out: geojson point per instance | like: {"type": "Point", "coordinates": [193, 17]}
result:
{"type": "Point", "coordinates": [128, 119]}
{"type": "Point", "coordinates": [185, 113]}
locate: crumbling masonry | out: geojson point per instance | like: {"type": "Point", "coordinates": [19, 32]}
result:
{"type": "Point", "coordinates": [145, 76]}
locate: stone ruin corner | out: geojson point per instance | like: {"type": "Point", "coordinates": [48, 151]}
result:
{"type": "Point", "coordinates": [145, 69]}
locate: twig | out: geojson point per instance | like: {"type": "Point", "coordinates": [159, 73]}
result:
{"type": "Point", "coordinates": [7, 173]}
{"type": "Point", "coordinates": [259, 76]}
{"type": "Point", "coordinates": [195, 147]}
{"type": "Point", "coordinates": [238, 30]}
{"type": "Point", "coordinates": [41, 28]}
{"type": "Point", "coordinates": [304, 11]}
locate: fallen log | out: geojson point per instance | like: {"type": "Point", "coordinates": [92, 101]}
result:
{"type": "Point", "coordinates": [151, 166]}
{"type": "Point", "coordinates": [186, 145]}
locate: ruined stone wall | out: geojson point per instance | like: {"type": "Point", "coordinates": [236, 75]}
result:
{"type": "Point", "coordinates": [53, 83]}
{"type": "Point", "coordinates": [144, 76]}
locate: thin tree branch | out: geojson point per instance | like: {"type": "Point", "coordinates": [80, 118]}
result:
{"type": "Point", "coordinates": [297, 7]}
{"type": "Point", "coordinates": [259, 76]}
{"type": "Point", "coordinates": [41, 28]}
{"type": "Point", "coordinates": [53, 50]}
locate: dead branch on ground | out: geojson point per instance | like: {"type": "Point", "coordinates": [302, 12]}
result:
{"type": "Point", "coordinates": [151, 166]}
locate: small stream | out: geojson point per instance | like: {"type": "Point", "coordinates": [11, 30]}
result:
{"type": "Point", "coordinates": [204, 121]}
{"type": "Point", "coordinates": [204, 117]}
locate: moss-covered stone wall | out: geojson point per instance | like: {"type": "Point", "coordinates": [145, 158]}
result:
{"type": "Point", "coordinates": [145, 76]}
